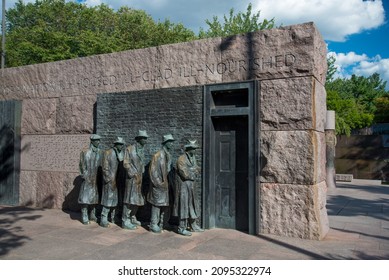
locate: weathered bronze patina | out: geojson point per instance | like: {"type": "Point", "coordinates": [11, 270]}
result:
{"type": "Point", "coordinates": [134, 164]}
{"type": "Point", "coordinates": [158, 196]}
{"type": "Point", "coordinates": [90, 162]}
{"type": "Point", "coordinates": [109, 200]}
{"type": "Point", "coordinates": [185, 202]}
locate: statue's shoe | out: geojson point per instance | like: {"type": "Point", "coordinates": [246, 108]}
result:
{"type": "Point", "coordinates": [155, 229]}
{"type": "Point", "coordinates": [128, 225]}
{"type": "Point", "coordinates": [184, 232]}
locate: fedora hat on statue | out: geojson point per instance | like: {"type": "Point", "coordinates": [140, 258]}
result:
{"type": "Point", "coordinates": [119, 140]}
{"type": "Point", "coordinates": [142, 134]}
{"type": "Point", "coordinates": [191, 145]}
{"type": "Point", "coordinates": [167, 137]}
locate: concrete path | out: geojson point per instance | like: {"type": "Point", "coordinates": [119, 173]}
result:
{"type": "Point", "coordinates": [358, 214]}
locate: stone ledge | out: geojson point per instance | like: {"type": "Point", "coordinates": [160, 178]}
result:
{"type": "Point", "coordinates": [344, 177]}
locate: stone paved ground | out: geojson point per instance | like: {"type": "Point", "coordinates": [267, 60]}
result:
{"type": "Point", "coordinates": [358, 215]}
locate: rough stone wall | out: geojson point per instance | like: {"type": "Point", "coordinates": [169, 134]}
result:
{"type": "Point", "coordinates": [59, 99]}
{"type": "Point", "coordinates": [292, 158]}
{"type": "Point", "coordinates": [178, 111]}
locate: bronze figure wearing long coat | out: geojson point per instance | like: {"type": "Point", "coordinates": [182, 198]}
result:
{"type": "Point", "coordinates": [185, 202]}
{"type": "Point", "coordinates": [90, 161]}
{"type": "Point", "coordinates": [159, 185]}
{"type": "Point", "coordinates": [134, 165]}
{"type": "Point", "coordinates": [111, 160]}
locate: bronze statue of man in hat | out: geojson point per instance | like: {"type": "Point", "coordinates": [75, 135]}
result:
{"type": "Point", "coordinates": [158, 196]}
{"type": "Point", "coordinates": [109, 199]}
{"type": "Point", "coordinates": [134, 164]}
{"type": "Point", "coordinates": [90, 162]}
{"type": "Point", "coordinates": [185, 203]}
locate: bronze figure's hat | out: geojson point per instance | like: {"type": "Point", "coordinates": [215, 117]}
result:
{"type": "Point", "coordinates": [95, 137]}
{"type": "Point", "coordinates": [142, 134]}
{"type": "Point", "coordinates": [167, 137]}
{"type": "Point", "coordinates": [191, 145]}
{"type": "Point", "coordinates": [119, 140]}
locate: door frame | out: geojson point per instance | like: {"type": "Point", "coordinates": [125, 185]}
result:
{"type": "Point", "coordinates": [211, 111]}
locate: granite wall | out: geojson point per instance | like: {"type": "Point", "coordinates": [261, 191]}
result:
{"type": "Point", "coordinates": [289, 63]}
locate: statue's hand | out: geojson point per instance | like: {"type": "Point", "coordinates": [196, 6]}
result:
{"type": "Point", "coordinates": [138, 179]}
{"type": "Point", "coordinates": [165, 185]}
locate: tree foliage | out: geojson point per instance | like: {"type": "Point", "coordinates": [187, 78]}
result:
{"type": "Point", "coordinates": [358, 102]}
{"type": "Point", "coordinates": [331, 68]}
{"type": "Point", "coordinates": [236, 24]}
{"type": "Point", "coordinates": [51, 30]}
{"type": "Point", "coordinates": [382, 112]}
{"type": "Point", "coordinates": [349, 114]}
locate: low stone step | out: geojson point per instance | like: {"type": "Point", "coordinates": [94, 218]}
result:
{"type": "Point", "coordinates": [344, 177]}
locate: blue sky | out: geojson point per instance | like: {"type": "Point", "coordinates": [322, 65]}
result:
{"type": "Point", "coordinates": [356, 31]}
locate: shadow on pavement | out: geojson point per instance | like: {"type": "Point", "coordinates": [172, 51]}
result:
{"type": "Point", "coordinates": [11, 231]}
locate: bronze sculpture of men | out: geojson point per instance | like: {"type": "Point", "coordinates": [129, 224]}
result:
{"type": "Point", "coordinates": [185, 202]}
{"type": "Point", "coordinates": [109, 199]}
{"type": "Point", "coordinates": [90, 162]}
{"type": "Point", "coordinates": [158, 195]}
{"type": "Point", "coordinates": [134, 164]}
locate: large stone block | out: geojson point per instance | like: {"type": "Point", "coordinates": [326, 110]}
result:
{"type": "Point", "coordinates": [292, 157]}
{"type": "Point", "coordinates": [294, 210]}
{"type": "Point", "coordinates": [39, 116]}
{"type": "Point", "coordinates": [76, 114]}
{"type": "Point", "coordinates": [28, 188]}
{"type": "Point", "coordinates": [52, 152]}
{"type": "Point", "coordinates": [292, 104]}
{"type": "Point", "coordinates": [292, 51]}
{"type": "Point", "coordinates": [49, 189]}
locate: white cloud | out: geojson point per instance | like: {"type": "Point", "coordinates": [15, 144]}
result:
{"type": "Point", "coordinates": [92, 3]}
{"type": "Point", "coordinates": [349, 58]}
{"type": "Point", "coordinates": [360, 65]}
{"type": "Point", "coordinates": [335, 19]}
{"type": "Point", "coordinates": [375, 65]}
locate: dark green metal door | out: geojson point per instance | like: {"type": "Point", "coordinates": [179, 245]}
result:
{"type": "Point", "coordinates": [10, 112]}
{"type": "Point", "coordinates": [231, 172]}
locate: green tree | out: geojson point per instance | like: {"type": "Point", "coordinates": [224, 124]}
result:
{"type": "Point", "coordinates": [382, 112]}
{"type": "Point", "coordinates": [358, 101]}
{"type": "Point", "coordinates": [363, 89]}
{"type": "Point", "coordinates": [51, 30]}
{"type": "Point", "coordinates": [331, 69]}
{"type": "Point", "coordinates": [236, 24]}
{"type": "Point", "coordinates": [348, 114]}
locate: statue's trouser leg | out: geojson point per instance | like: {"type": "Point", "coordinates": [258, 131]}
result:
{"type": "Point", "coordinates": [155, 216]}
{"type": "Point", "coordinates": [133, 211]}
{"type": "Point", "coordinates": [164, 217]}
{"type": "Point", "coordinates": [104, 217]}
{"type": "Point", "coordinates": [126, 221]}
{"type": "Point", "coordinates": [113, 214]}
{"type": "Point", "coordinates": [84, 214]}
{"type": "Point", "coordinates": [126, 213]}
{"type": "Point", "coordinates": [92, 215]}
